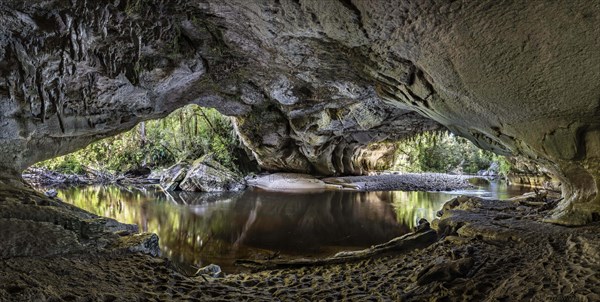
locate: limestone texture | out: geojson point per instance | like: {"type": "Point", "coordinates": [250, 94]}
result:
{"type": "Point", "coordinates": [313, 86]}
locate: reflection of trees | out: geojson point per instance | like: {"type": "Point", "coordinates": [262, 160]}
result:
{"type": "Point", "coordinates": [411, 206]}
{"type": "Point", "coordinates": [198, 228]}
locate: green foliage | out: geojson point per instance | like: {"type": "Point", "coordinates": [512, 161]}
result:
{"type": "Point", "coordinates": [186, 134]}
{"type": "Point", "coordinates": [69, 164]}
{"type": "Point", "coordinates": [444, 152]}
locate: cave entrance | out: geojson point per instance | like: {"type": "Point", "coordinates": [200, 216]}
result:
{"type": "Point", "coordinates": [444, 152]}
{"type": "Point", "coordinates": [197, 229]}
{"type": "Point", "coordinates": [187, 134]}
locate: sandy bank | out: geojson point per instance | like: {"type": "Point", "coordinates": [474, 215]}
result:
{"type": "Point", "coordinates": [403, 182]}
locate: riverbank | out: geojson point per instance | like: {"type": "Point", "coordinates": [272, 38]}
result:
{"type": "Point", "coordinates": [494, 250]}
{"type": "Point", "coordinates": [404, 182]}
{"type": "Point", "coordinates": [44, 178]}
{"type": "Point", "coordinates": [39, 177]}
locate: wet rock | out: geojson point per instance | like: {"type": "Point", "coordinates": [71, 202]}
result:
{"type": "Point", "coordinates": [141, 243]}
{"type": "Point", "coordinates": [208, 175]}
{"type": "Point", "coordinates": [422, 225]}
{"type": "Point", "coordinates": [462, 202]}
{"type": "Point", "coordinates": [211, 270]}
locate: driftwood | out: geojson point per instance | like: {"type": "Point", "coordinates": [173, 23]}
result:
{"type": "Point", "coordinates": [408, 242]}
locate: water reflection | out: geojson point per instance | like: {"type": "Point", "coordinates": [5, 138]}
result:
{"type": "Point", "coordinates": [199, 229]}
{"type": "Point", "coordinates": [411, 206]}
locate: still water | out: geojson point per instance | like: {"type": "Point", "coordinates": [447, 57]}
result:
{"type": "Point", "coordinates": [197, 229]}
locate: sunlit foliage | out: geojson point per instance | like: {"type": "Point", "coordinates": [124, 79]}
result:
{"type": "Point", "coordinates": [186, 134]}
{"type": "Point", "coordinates": [444, 152]}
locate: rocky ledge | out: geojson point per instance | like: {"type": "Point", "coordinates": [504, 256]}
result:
{"type": "Point", "coordinates": [36, 225]}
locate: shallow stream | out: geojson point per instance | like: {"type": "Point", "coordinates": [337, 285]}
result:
{"type": "Point", "coordinates": [197, 229]}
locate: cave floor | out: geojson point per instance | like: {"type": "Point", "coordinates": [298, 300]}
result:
{"type": "Point", "coordinates": [489, 250]}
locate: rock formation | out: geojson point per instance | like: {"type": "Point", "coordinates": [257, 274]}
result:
{"type": "Point", "coordinates": [208, 175]}
{"type": "Point", "coordinates": [314, 86]}
{"type": "Point", "coordinates": [203, 175]}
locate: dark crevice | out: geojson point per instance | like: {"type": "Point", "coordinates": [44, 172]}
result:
{"type": "Point", "coordinates": [349, 5]}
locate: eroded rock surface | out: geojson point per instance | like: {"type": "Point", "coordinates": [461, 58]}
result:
{"type": "Point", "coordinates": [315, 86]}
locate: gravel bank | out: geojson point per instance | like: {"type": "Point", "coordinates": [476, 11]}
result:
{"type": "Point", "coordinates": [404, 182]}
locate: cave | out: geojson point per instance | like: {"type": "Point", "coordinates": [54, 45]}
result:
{"type": "Point", "coordinates": [314, 87]}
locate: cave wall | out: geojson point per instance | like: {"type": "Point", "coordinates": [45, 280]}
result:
{"type": "Point", "coordinates": [75, 72]}
{"type": "Point", "coordinates": [312, 84]}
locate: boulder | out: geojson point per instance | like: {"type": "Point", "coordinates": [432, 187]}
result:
{"type": "Point", "coordinates": [207, 175]}
{"type": "Point", "coordinates": [174, 175]}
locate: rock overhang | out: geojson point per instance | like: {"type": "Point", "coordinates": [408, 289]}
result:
{"type": "Point", "coordinates": [312, 84]}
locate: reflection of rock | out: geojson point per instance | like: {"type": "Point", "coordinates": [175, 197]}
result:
{"type": "Point", "coordinates": [316, 220]}
{"type": "Point", "coordinates": [207, 175]}
{"type": "Point", "coordinates": [211, 270]}
{"type": "Point", "coordinates": [198, 198]}
{"type": "Point", "coordinates": [287, 182]}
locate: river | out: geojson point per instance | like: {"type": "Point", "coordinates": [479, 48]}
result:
{"type": "Point", "coordinates": [197, 229]}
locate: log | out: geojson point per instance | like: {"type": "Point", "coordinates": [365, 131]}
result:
{"type": "Point", "coordinates": [406, 243]}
